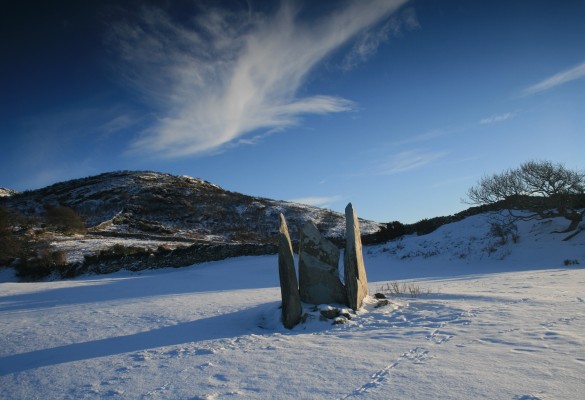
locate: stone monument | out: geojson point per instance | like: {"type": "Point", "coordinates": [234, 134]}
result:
{"type": "Point", "coordinates": [289, 288]}
{"type": "Point", "coordinates": [356, 282]}
{"type": "Point", "coordinates": [319, 281]}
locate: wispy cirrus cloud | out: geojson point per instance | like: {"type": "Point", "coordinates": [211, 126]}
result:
{"type": "Point", "coordinates": [323, 201]}
{"type": "Point", "coordinates": [226, 73]}
{"type": "Point", "coordinates": [558, 79]}
{"type": "Point", "coordinates": [425, 136]}
{"type": "Point", "coordinates": [496, 118]}
{"type": "Point", "coordinates": [405, 161]}
{"type": "Point", "coordinates": [369, 40]}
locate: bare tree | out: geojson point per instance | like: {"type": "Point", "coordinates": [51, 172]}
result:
{"type": "Point", "coordinates": [544, 189]}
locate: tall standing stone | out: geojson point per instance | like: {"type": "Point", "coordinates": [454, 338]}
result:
{"type": "Point", "coordinates": [289, 288]}
{"type": "Point", "coordinates": [356, 283]}
{"type": "Point", "coordinates": [319, 281]}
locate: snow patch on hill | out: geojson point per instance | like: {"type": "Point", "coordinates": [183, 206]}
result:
{"type": "Point", "coordinates": [7, 192]}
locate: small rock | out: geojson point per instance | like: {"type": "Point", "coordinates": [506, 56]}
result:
{"type": "Point", "coordinates": [339, 321]}
{"type": "Point", "coordinates": [345, 313]}
{"type": "Point", "coordinates": [382, 303]}
{"type": "Point", "coordinates": [379, 296]}
{"type": "Point", "coordinates": [331, 313]}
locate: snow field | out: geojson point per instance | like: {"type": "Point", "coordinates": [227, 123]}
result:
{"type": "Point", "coordinates": [491, 327]}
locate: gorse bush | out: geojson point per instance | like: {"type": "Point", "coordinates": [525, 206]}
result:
{"type": "Point", "coordinates": [64, 219]}
{"type": "Point", "coordinates": [10, 246]}
{"type": "Point", "coordinates": [41, 265]}
{"type": "Point", "coordinates": [569, 262]}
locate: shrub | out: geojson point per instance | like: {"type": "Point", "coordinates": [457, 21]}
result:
{"type": "Point", "coordinates": [41, 265]}
{"type": "Point", "coordinates": [9, 245]}
{"type": "Point", "coordinates": [568, 262]}
{"type": "Point", "coordinates": [504, 231]}
{"type": "Point", "coordinates": [64, 219]}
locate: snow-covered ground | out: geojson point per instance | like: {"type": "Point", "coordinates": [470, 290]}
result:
{"type": "Point", "coordinates": [500, 322]}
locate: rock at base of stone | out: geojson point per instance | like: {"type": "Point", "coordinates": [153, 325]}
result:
{"type": "Point", "coordinates": [356, 282]}
{"type": "Point", "coordinates": [330, 313]}
{"type": "Point", "coordinates": [319, 281]}
{"type": "Point", "coordinates": [289, 288]}
{"type": "Point", "coordinates": [382, 303]}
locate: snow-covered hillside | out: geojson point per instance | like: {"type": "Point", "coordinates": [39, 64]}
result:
{"type": "Point", "coordinates": [496, 321]}
{"type": "Point", "coordinates": [153, 210]}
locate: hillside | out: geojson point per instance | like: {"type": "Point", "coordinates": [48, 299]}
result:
{"type": "Point", "coordinates": [495, 319]}
{"type": "Point", "coordinates": [129, 213]}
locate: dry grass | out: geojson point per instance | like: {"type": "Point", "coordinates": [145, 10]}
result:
{"type": "Point", "coordinates": [403, 289]}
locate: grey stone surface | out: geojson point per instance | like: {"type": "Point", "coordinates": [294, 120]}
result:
{"type": "Point", "coordinates": [356, 282]}
{"type": "Point", "coordinates": [289, 288]}
{"type": "Point", "coordinates": [319, 281]}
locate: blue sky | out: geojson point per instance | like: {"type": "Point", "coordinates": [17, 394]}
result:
{"type": "Point", "coordinates": [397, 106]}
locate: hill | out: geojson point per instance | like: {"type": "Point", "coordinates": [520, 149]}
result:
{"type": "Point", "coordinates": [145, 219]}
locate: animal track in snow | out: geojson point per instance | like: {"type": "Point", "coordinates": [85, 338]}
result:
{"type": "Point", "coordinates": [417, 355]}
{"type": "Point", "coordinates": [426, 316]}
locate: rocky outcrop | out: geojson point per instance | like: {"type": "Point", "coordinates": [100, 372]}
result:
{"type": "Point", "coordinates": [289, 288]}
{"type": "Point", "coordinates": [319, 281]}
{"type": "Point", "coordinates": [356, 282]}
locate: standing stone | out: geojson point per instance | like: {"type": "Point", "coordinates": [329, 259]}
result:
{"type": "Point", "coordinates": [289, 288]}
{"type": "Point", "coordinates": [319, 281]}
{"type": "Point", "coordinates": [356, 283]}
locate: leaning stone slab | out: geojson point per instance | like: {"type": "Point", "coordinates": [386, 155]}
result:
{"type": "Point", "coordinates": [319, 281]}
{"type": "Point", "coordinates": [356, 282]}
{"type": "Point", "coordinates": [289, 288]}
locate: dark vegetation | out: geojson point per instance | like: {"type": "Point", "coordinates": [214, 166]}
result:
{"type": "Point", "coordinates": [23, 246]}
{"type": "Point", "coordinates": [9, 245]}
{"type": "Point", "coordinates": [65, 220]}
{"type": "Point", "coordinates": [395, 229]}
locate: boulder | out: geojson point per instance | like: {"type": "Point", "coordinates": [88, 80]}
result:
{"type": "Point", "coordinates": [356, 282]}
{"type": "Point", "coordinates": [289, 288]}
{"type": "Point", "coordinates": [319, 281]}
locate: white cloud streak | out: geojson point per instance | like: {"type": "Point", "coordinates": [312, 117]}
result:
{"type": "Point", "coordinates": [317, 201]}
{"type": "Point", "coordinates": [227, 74]}
{"type": "Point", "coordinates": [496, 118]}
{"type": "Point", "coordinates": [407, 161]}
{"type": "Point", "coordinates": [369, 40]}
{"type": "Point", "coordinates": [558, 79]}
